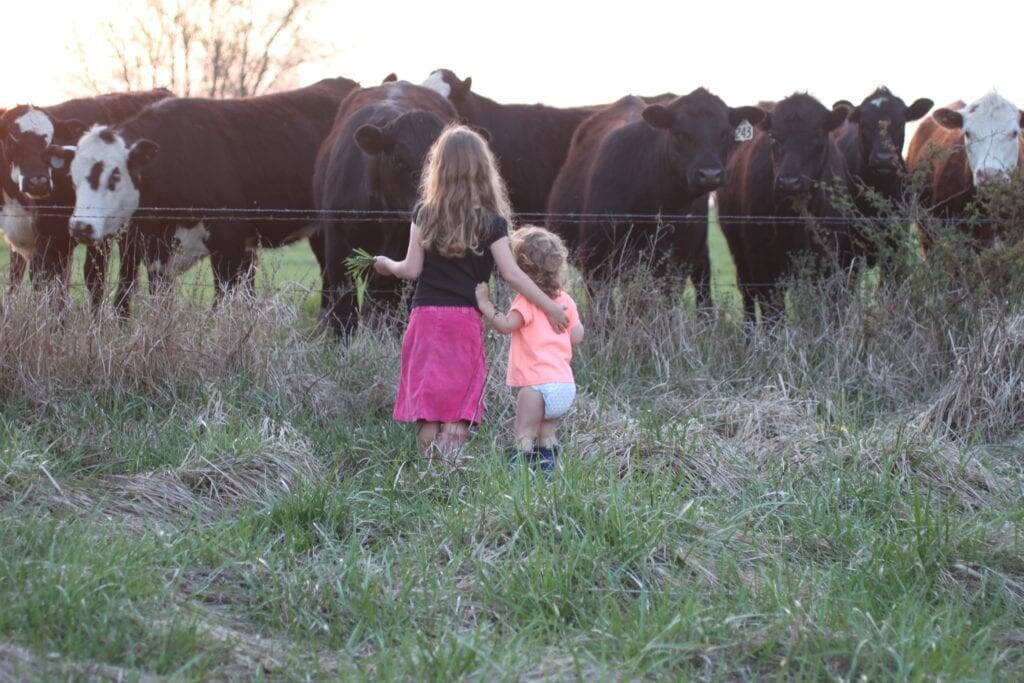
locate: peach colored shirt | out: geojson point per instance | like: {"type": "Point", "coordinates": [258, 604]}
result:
{"type": "Point", "coordinates": [538, 354]}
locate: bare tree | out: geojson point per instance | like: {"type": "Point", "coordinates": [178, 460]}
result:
{"type": "Point", "coordinates": [211, 48]}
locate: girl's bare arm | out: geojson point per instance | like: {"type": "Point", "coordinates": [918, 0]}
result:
{"type": "Point", "coordinates": [505, 323]}
{"type": "Point", "coordinates": [521, 283]}
{"type": "Point", "coordinates": [408, 268]}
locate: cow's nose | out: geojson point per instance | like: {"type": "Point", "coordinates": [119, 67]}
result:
{"type": "Point", "coordinates": [710, 178]}
{"type": "Point", "coordinates": [884, 160]}
{"type": "Point", "coordinates": [987, 174]}
{"type": "Point", "coordinates": [789, 183]}
{"type": "Point", "coordinates": [38, 184]}
{"type": "Point", "coordinates": [81, 231]}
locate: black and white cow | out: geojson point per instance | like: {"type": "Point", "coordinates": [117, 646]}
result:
{"type": "Point", "coordinates": [177, 170]}
{"type": "Point", "coordinates": [37, 199]}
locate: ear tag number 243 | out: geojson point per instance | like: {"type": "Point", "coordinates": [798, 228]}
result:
{"type": "Point", "coordinates": [744, 132]}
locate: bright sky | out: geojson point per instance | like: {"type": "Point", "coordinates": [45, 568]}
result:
{"type": "Point", "coordinates": [566, 52]}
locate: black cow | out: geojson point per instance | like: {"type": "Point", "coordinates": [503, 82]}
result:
{"type": "Point", "coordinates": [636, 157]}
{"type": "Point", "coordinates": [372, 161]}
{"type": "Point", "coordinates": [530, 140]}
{"type": "Point", "coordinates": [781, 177]}
{"type": "Point", "coordinates": [38, 201]}
{"type": "Point", "coordinates": [174, 169]}
{"type": "Point", "coordinates": [871, 140]}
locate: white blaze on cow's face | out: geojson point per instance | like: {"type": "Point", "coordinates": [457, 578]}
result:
{"type": "Point", "coordinates": [188, 249]}
{"type": "Point", "coordinates": [437, 83]}
{"type": "Point", "coordinates": [991, 128]}
{"type": "Point", "coordinates": [35, 129]}
{"type": "Point", "coordinates": [105, 193]}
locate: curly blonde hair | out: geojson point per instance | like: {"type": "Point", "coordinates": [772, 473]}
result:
{"type": "Point", "coordinates": [543, 256]}
{"type": "Point", "coordinates": [460, 176]}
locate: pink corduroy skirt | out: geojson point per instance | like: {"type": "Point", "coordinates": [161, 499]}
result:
{"type": "Point", "coordinates": [443, 366]}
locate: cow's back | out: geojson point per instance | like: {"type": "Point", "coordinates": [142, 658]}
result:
{"type": "Point", "coordinates": [255, 152]}
{"type": "Point", "coordinates": [108, 109]}
{"type": "Point", "coordinates": [569, 192]}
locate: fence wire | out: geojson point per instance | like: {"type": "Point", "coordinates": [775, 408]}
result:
{"type": "Point", "coordinates": [200, 214]}
{"type": "Point", "coordinates": [296, 283]}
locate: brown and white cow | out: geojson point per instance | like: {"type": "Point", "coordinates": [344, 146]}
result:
{"type": "Point", "coordinates": [966, 146]}
{"type": "Point", "coordinates": [37, 199]}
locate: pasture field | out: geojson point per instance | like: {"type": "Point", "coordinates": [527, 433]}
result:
{"type": "Point", "coordinates": [194, 495]}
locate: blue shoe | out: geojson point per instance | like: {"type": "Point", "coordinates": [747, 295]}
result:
{"type": "Point", "coordinates": [515, 456]}
{"type": "Point", "coordinates": [546, 459]}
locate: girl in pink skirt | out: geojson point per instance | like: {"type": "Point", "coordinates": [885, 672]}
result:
{"type": "Point", "coordinates": [458, 234]}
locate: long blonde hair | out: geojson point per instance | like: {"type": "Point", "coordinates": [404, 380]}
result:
{"type": "Point", "coordinates": [460, 176]}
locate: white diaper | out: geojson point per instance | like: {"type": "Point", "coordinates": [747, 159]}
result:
{"type": "Point", "coordinates": [558, 398]}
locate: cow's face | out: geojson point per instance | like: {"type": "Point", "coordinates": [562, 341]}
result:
{"type": "Point", "coordinates": [798, 129]}
{"type": "Point", "coordinates": [398, 151]}
{"type": "Point", "coordinates": [698, 131]}
{"type": "Point", "coordinates": [882, 121]}
{"type": "Point", "coordinates": [991, 129]}
{"type": "Point", "coordinates": [27, 133]}
{"type": "Point", "coordinates": [106, 174]}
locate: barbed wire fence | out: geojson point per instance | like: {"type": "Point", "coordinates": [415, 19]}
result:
{"type": "Point", "coordinates": [212, 216]}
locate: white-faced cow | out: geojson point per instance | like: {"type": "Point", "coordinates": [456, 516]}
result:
{"type": "Point", "coordinates": [872, 142]}
{"type": "Point", "coordinates": [371, 161]}
{"type": "Point", "coordinates": [178, 169]}
{"type": "Point", "coordinates": [962, 147]}
{"type": "Point", "coordinates": [638, 157]}
{"type": "Point", "coordinates": [37, 199]}
{"type": "Point", "coordinates": [777, 182]}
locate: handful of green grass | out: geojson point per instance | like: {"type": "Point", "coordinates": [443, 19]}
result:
{"type": "Point", "coordinates": [358, 266]}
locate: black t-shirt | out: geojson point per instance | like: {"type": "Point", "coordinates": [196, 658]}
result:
{"type": "Point", "coordinates": [452, 281]}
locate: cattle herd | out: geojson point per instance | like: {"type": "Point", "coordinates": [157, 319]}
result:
{"type": "Point", "coordinates": [175, 180]}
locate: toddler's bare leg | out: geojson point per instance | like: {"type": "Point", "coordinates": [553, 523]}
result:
{"type": "Point", "coordinates": [549, 433]}
{"type": "Point", "coordinates": [529, 415]}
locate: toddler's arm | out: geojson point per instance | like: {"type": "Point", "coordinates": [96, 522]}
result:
{"type": "Point", "coordinates": [505, 323]}
{"type": "Point", "coordinates": [576, 335]}
{"type": "Point", "coordinates": [408, 268]}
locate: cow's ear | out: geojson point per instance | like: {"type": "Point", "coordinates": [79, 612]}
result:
{"type": "Point", "coordinates": [752, 115]}
{"type": "Point", "coordinates": [482, 132]}
{"type": "Point", "coordinates": [658, 116]}
{"type": "Point", "coordinates": [142, 154]}
{"type": "Point", "coordinates": [947, 118]}
{"type": "Point", "coordinates": [835, 118]}
{"type": "Point", "coordinates": [464, 87]}
{"type": "Point", "coordinates": [373, 140]}
{"type": "Point", "coordinates": [70, 130]}
{"type": "Point", "coordinates": [390, 78]}
{"type": "Point", "coordinates": [59, 157]}
{"type": "Point", "coordinates": [919, 108]}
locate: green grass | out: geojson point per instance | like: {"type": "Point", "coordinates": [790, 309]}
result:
{"type": "Point", "coordinates": [724, 512]}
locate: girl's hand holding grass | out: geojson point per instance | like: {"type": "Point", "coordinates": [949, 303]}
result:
{"type": "Point", "coordinates": [382, 264]}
